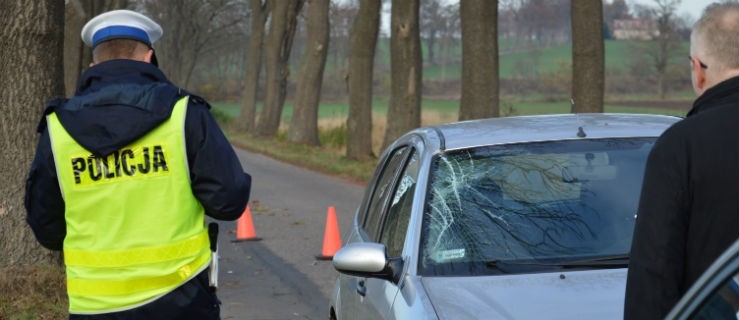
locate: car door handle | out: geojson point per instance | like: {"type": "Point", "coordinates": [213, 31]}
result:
{"type": "Point", "coordinates": [361, 289]}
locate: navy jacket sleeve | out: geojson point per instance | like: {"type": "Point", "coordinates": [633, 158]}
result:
{"type": "Point", "coordinates": [43, 200]}
{"type": "Point", "coordinates": [217, 178]}
{"type": "Point", "coordinates": [657, 262]}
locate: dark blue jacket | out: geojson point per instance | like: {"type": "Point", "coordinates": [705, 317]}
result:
{"type": "Point", "coordinates": [117, 102]}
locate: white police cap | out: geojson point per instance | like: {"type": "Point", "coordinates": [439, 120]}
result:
{"type": "Point", "coordinates": [121, 24]}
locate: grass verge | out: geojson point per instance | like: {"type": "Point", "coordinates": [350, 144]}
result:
{"type": "Point", "coordinates": [33, 292]}
{"type": "Point", "coordinates": [327, 160]}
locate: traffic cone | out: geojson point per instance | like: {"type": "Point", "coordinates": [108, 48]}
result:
{"type": "Point", "coordinates": [331, 237]}
{"type": "Point", "coordinates": [245, 228]}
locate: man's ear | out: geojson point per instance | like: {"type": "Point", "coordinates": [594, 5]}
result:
{"type": "Point", "coordinates": [147, 58]}
{"type": "Point", "coordinates": [699, 77]}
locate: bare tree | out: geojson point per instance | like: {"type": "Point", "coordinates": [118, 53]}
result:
{"type": "Point", "coordinates": [304, 124]}
{"type": "Point", "coordinates": [77, 56]}
{"type": "Point", "coordinates": [617, 9]}
{"type": "Point", "coordinates": [32, 54]}
{"type": "Point", "coordinates": [508, 23]}
{"type": "Point", "coordinates": [404, 111]}
{"type": "Point", "coordinates": [362, 44]}
{"type": "Point", "coordinates": [432, 21]}
{"type": "Point", "coordinates": [588, 56]}
{"type": "Point", "coordinates": [666, 43]}
{"type": "Point", "coordinates": [247, 119]}
{"type": "Point", "coordinates": [282, 27]}
{"type": "Point", "coordinates": [191, 29]}
{"type": "Point", "coordinates": [448, 35]}
{"type": "Point", "coordinates": [480, 86]}
{"type": "Point", "coordinates": [544, 21]}
{"type": "Point", "coordinates": [342, 15]}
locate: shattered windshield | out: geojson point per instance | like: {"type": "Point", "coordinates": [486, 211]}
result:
{"type": "Point", "coordinates": [531, 203]}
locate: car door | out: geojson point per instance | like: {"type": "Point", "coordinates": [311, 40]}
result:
{"type": "Point", "coordinates": [386, 222]}
{"type": "Point", "coordinates": [394, 233]}
{"type": "Point", "coordinates": [356, 303]}
{"type": "Point", "coordinates": [715, 295]}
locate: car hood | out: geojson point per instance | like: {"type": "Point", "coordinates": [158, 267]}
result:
{"type": "Point", "coordinates": [593, 294]}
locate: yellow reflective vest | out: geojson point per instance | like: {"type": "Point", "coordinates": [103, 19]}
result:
{"type": "Point", "coordinates": [135, 231]}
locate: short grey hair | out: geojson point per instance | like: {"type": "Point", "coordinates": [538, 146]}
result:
{"type": "Point", "coordinates": [716, 35]}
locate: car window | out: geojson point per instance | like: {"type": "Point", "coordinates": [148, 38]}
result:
{"type": "Point", "coordinates": [722, 304]}
{"type": "Point", "coordinates": [381, 192]}
{"type": "Point", "coordinates": [539, 202]}
{"type": "Point", "coordinates": [399, 213]}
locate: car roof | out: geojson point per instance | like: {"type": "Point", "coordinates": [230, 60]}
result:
{"type": "Point", "coordinates": [519, 129]}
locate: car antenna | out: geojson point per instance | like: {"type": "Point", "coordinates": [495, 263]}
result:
{"type": "Point", "coordinates": [580, 132]}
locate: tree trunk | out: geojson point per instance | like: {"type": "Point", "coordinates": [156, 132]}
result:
{"type": "Point", "coordinates": [247, 119]}
{"type": "Point", "coordinates": [661, 89]}
{"type": "Point", "coordinates": [443, 47]}
{"type": "Point", "coordinates": [431, 45]}
{"type": "Point", "coordinates": [661, 61]}
{"type": "Point", "coordinates": [75, 50]}
{"type": "Point", "coordinates": [480, 86]}
{"type": "Point", "coordinates": [277, 53]}
{"type": "Point", "coordinates": [304, 124]}
{"type": "Point", "coordinates": [587, 56]}
{"type": "Point", "coordinates": [404, 111]}
{"type": "Point", "coordinates": [362, 44]}
{"type": "Point", "coordinates": [32, 58]}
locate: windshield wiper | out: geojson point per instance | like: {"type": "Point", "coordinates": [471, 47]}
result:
{"type": "Point", "coordinates": [512, 266]}
{"type": "Point", "coordinates": [614, 261]}
{"type": "Point", "coordinates": [607, 262]}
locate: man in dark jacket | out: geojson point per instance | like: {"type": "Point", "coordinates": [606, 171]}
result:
{"type": "Point", "coordinates": [688, 212]}
{"type": "Point", "coordinates": [123, 175]}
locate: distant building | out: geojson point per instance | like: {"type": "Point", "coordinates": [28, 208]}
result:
{"type": "Point", "coordinates": [634, 29]}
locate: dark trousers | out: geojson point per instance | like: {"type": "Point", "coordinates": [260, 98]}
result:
{"type": "Point", "coordinates": [192, 300]}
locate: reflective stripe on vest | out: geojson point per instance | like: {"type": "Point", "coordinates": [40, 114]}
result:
{"type": "Point", "coordinates": [135, 231]}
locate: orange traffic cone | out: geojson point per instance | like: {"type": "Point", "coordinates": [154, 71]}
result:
{"type": "Point", "coordinates": [245, 228]}
{"type": "Point", "coordinates": [331, 238]}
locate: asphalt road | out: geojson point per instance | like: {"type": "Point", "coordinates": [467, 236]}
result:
{"type": "Point", "coordinates": [278, 277]}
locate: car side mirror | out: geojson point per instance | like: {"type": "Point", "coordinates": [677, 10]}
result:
{"type": "Point", "coordinates": [369, 260]}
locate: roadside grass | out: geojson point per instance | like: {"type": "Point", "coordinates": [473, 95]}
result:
{"type": "Point", "coordinates": [327, 160]}
{"type": "Point", "coordinates": [33, 292]}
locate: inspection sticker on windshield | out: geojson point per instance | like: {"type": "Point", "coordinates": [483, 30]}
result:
{"type": "Point", "coordinates": [450, 254]}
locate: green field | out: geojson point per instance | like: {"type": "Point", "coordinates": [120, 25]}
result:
{"type": "Point", "coordinates": [618, 55]}
{"type": "Point", "coordinates": [449, 109]}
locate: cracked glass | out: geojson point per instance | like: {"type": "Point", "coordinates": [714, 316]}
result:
{"type": "Point", "coordinates": [531, 204]}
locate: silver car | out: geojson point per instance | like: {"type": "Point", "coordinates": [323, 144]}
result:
{"type": "Point", "coordinates": [509, 218]}
{"type": "Point", "coordinates": [715, 295]}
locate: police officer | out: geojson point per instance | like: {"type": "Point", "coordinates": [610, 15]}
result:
{"type": "Point", "coordinates": [124, 173]}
